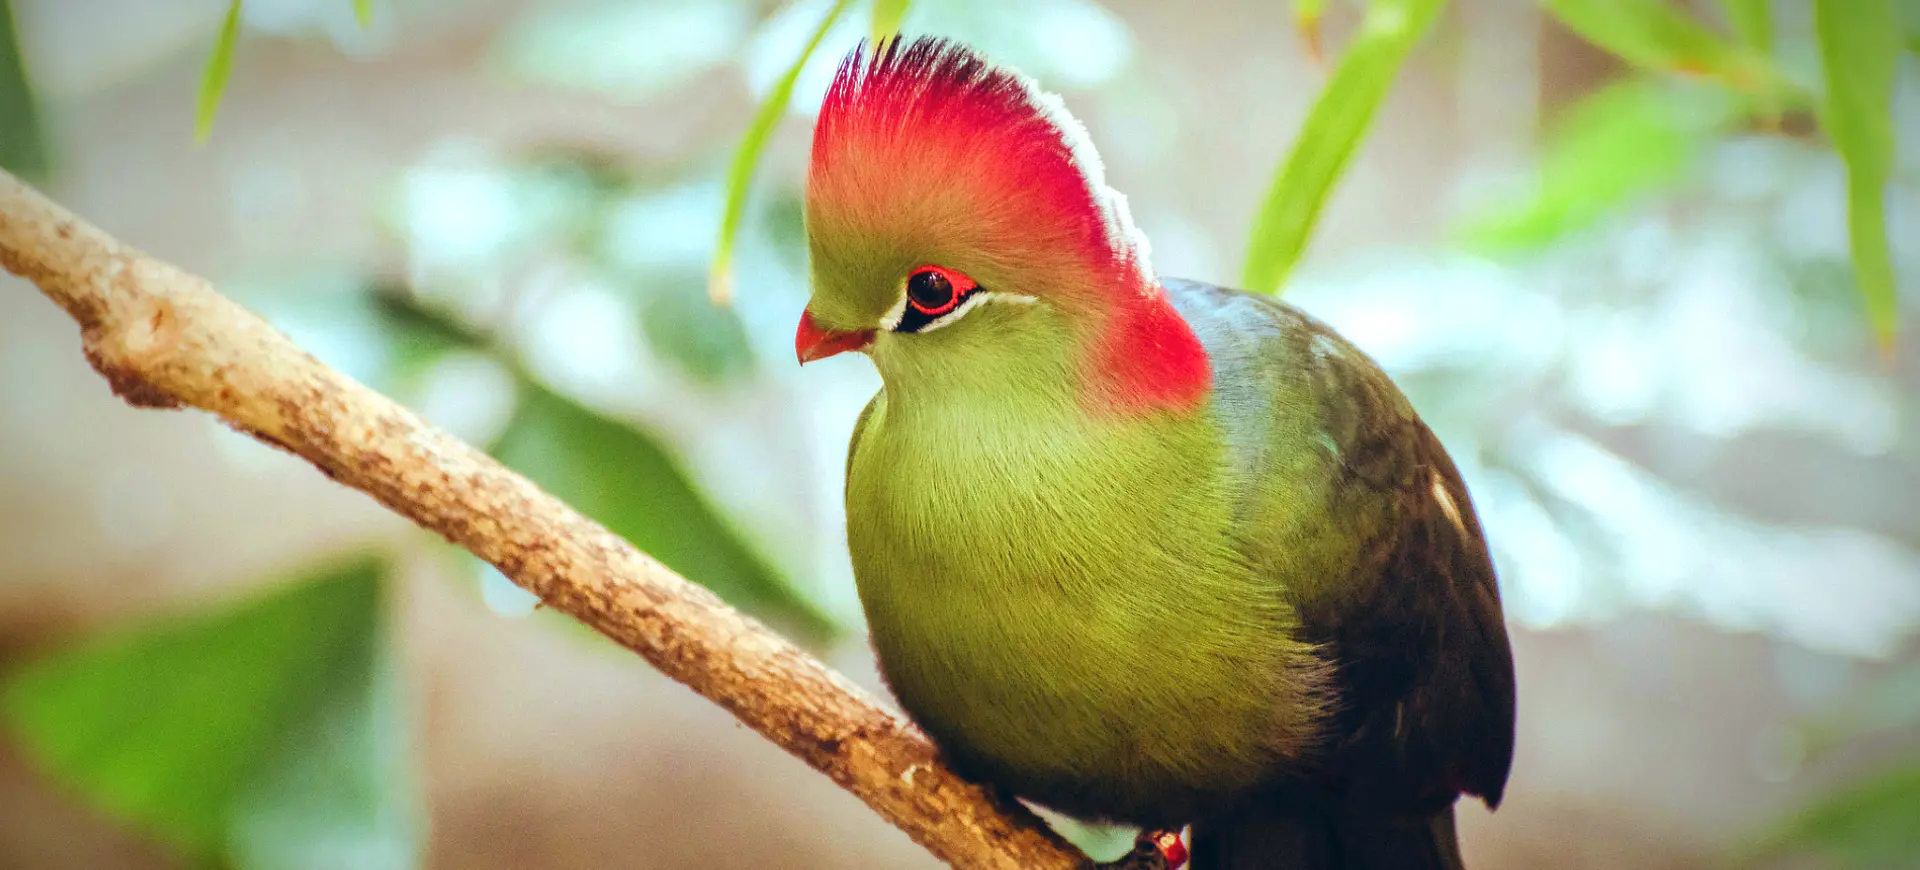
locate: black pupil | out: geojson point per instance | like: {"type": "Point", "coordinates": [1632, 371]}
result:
{"type": "Point", "coordinates": [930, 290]}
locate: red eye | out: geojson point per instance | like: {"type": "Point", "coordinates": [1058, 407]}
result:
{"type": "Point", "coordinates": [934, 291]}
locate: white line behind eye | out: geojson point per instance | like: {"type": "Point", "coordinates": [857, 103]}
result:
{"type": "Point", "coordinates": [980, 297]}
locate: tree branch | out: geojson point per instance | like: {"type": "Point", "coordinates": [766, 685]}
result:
{"type": "Point", "coordinates": [164, 338]}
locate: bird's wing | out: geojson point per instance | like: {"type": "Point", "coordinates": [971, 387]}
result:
{"type": "Point", "coordinates": [1415, 627]}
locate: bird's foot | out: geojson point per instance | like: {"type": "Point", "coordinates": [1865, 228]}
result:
{"type": "Point", "coordinates": [1155, 850]}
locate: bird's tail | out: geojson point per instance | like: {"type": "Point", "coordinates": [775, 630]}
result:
{"type": "Point", "coordinates": [1290, 837]}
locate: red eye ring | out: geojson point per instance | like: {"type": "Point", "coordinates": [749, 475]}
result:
{"type": "Point", "coordinates": [936, 290]}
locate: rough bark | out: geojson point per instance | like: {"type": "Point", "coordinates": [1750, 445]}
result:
{"type": "Point", "coordinates": [164, 338]}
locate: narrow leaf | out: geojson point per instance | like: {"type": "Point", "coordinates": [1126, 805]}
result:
{"type": "Point", "coordinates": [363, 12]}
{"type": "Point", "coordinates": [1873, 258]}
{"type": "Point", "coordinates": [23, 149]}
{"type": "Point", "coordinates": [628, 482]}
{"type": "Point", "coordinates": [1306, 17]}
{"type": "Point", "coordinates": [887, 15]}
{"type": "Point", "coordinates": [1660, 35]}
{"type": "Point", "coordinates": [1752, 22]}
{"type": "Point", "coordinates": [185, 728]}
{"type": "Point", "coordinates": [1627, 140]}
{"type": "Point", "coordinates": [1330, 136]}
{"type": "Point", "coordinates": [747, 158]}
{"type": "Point", "coordinates": [213, 82]}
{"type": "Point", "coordinates": [1859, 51]}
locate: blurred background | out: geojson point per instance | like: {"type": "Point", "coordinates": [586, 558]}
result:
{"type": "Point", "coordinates": [1623, 297]}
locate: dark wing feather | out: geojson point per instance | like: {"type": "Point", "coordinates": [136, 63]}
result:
{"type": "Point", "coordinates": [1427, 668]}
{"type": "Point", "coordinates": [1416, 632]}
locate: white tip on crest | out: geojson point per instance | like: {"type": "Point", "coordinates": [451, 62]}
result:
{"type": "Point", "coordinates": [1126, 238]}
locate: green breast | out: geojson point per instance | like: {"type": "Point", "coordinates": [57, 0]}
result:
{"type": "Point", "coordinates": [1063, 603]}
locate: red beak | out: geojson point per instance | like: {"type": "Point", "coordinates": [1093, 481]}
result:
{"type": "Point", "coordinates": [814, 341]}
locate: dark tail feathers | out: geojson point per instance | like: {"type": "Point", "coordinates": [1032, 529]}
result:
{"type": "Point", "coordinates": [1269, 837]}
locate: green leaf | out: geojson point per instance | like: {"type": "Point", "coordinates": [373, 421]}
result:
{"type": "Point", "coordinates": [363, 13]}
{"type": "Point", "coordinates": [1306, 17]}
{"type": "Point", "coordinates": [265, 736]}
{"type": "Point", "coordinates": [1626, 140]}
{"type": "Point", "coordinates": [1330, 136]}
{"type": "Point", "coordinates": [213, 82]}
{"type": "Point", "coordinates": [1859, 50]}
{"type": "Point", "coordinates": [338, 792]}
{"type": "Point", "coordinates": [1752, 22]}
{"type": "Point", "coordinates": [747, 158]}
{"type": "Point", "coordinates": [887, 15]}
{"type": "Point", "coordinates": [628, 482]}
{"type": "Point", "coordinates": [1870, 825]}
{"type": "Point", "coordinates": [1660, 35]}
{"type": "Point", "coordinates": [23, 151]}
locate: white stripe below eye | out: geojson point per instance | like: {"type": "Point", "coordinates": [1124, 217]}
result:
{"type": "Point", "coordinates": [891, 319]}
{"type": "Point", "coordinates": [980, 297]}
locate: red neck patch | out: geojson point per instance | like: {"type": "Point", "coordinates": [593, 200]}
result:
{"type": "Point", "coordinates": [1149, 359]}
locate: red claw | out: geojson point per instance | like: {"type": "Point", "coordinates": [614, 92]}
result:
{"type": "Point", "coordinates": [1171, 847]}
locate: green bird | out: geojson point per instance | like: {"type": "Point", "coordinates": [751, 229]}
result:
{"type": "Point", "coordinates": [1137, 549]}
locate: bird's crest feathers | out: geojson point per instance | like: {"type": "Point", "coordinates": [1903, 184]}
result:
{"type": "Point", "coordinates": [924, 152]}
{"type": "Point", "coordinates": [909, 122]}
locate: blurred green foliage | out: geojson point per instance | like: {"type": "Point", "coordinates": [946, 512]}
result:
{"type": "Point", "coordinates": [747, 157]}
{"type": "Point", "coordinates": [626, 481]}
{"type": "Point", "coordinates": [1306, 16]}
{"type": "Point", "coordinates": [266, 735]}
{"type": "Point", "coordinates": [886, 20]}
{"type": "Point", "coordinates": [1869, 825]}
{"type": "Point", "coordinates": [1636, 138]}
{"type": "Point", "coordinates": [1860, 51]}
{"type": "Point", "coordinates": [1633, 138]}
{"type": "Point", "coordinates": [617, 474]}
{"type": "Point", "coordinates": [1663, 36]}
{"type": "Point", "coordinates": [1752, 22]}
{"type": "Point", "coordinates": [213, 79]}
{"type": "Point", "coordinates": [1330, 135]}
{"type": "Point", "coordinates": [706, 342]}
{"type": "Point", "coordinates": [23, 151]}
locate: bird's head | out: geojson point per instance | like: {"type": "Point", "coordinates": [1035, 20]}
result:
{"type": "Point", "coordinates": [958, 215]}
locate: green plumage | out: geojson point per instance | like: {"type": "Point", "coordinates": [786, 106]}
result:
{"type": "Point", "coordinates": [1105, 615]}
{"type": "Point", "coordinates": [1061, 597]}
{"type": "Point", "coordinates": [1269, 614]}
